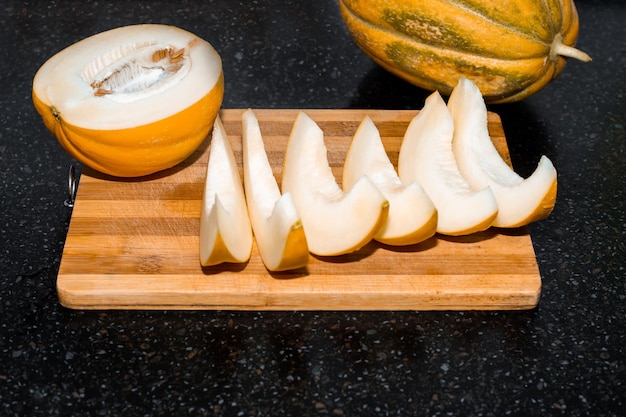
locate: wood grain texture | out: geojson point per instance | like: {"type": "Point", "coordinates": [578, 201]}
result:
{"type": "Point", "coordinates": [133, 243]}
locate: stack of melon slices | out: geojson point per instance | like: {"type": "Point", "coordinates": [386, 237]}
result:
{"type": "Point", "coordinates": [450, 180]}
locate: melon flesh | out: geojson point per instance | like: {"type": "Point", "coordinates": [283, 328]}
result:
{"type": "Point", "coordinates": [520, 201]}
{"type": "Point", "coordinates": [225, 230]}
{"type": "Point", "coordinates": [127, 76]}
{"type": "Point", "coordinates": [275, 221]}
{"type": "Point", "coordinates": [335, 221]}
{"type": "Point", "coordinates": [412, 216]}
{"type": "Point", "coordinates": [426, 157]}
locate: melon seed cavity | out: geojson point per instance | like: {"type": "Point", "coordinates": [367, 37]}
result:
{"type": "Point", "coordinates": [131, 72]}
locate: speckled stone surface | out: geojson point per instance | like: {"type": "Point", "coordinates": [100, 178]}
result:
{"type": "Point", "coordinates": [566, 357]}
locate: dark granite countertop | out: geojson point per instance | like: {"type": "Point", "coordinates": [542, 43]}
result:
{"type": "Point", "coordinates": [565, 357]}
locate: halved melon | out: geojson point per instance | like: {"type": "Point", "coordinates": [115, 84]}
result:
{"type": "Point", "coordinates": [131, 101]}
{"type": "Point", "coordinates": [412, 215]}
{"type": "Point", "coordinates": [520, 201]}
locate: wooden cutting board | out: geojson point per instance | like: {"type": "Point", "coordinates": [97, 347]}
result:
{"type": "Point", "coordinates": [133, 244]}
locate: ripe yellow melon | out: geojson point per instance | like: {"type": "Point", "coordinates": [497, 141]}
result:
{"type": "Point", "coordinates": [511, 49]}
{"type": "Point", "coordinates": [131, 101]}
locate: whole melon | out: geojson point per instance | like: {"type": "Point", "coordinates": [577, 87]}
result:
{"type": "Point", "coordinates": [510, 49]}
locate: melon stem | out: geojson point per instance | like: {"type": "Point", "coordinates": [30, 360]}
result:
{"type": "Point", "coordinates": [559, 48]}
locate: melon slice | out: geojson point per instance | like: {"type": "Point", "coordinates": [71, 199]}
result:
{"type": "Point", "coordinates": [277, 227]}
{"type": "Point", "coordinates": [225, 230]}
{"type": "Point", "coordinates": [426, 157]}
{"type": "Point", "coordinates": [132, 100]}
{"type": "Point", "coordinates": [335, 222]}
{"type": "Point", "coordinates": [412, 216]}
{"type": "Point", "coordinates": [520, 201]}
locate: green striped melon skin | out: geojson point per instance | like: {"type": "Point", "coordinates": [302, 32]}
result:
{"type": "Point", "coordinates": [509, 49]}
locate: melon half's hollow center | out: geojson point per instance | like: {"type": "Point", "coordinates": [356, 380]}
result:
{"type": "Point", "coordinates": [134, 71]}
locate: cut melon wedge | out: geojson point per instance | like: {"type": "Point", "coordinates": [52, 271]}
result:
{"type": "Point", "coordinates": [412, 216]}
{"type": "Point", "coordinates": [520, 201]}
{"type": "Point", "coordinates": [225, 230]}
{"type": "Point", "coordinates": [275, 221]}
{"type": "Point", "coordinates": [335, 222]}
{"type": "Point", "coordinates": [426, 157]}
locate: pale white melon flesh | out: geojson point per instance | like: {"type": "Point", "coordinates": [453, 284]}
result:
{"type": "Point", "coordinates": [426, 157]}
{"type": "Point", "coordinates": [412, 216]}
{"type": "Point", "coordinates": [520, 201]}
{"type": "Point", "coordinates": [335, 222]}
{"type": "Point", "coordinates": [125, 77]}
{"type": "Point", "coordinates": [225, 229]}
{"type": "Point", "coordinates": [276, 224]}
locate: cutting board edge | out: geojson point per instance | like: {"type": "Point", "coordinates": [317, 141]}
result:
{"type": "Point", "coordinates": [437, 298]}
